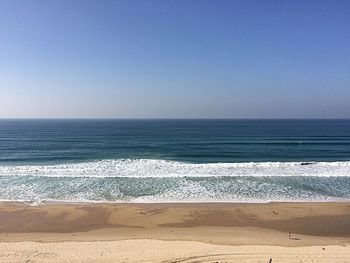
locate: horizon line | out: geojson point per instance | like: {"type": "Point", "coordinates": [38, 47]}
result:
{"type": "Point", "coordinates": [159, 118]}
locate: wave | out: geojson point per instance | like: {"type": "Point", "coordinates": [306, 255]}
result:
{"type": "Point", "coordinates": [148, 168]}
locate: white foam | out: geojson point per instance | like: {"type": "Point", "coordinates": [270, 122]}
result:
{"type": "Point", "coordinates": [146, 168]}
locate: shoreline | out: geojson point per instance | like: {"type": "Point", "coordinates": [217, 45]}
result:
{"type": "Point", "coordinates": [104, 202]}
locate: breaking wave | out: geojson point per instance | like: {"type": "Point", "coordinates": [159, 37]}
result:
{"type": "Point", "coordinates": [148, 168]}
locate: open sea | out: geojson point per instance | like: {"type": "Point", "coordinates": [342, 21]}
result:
{"type": "Point", "coordinates": [174, 160]}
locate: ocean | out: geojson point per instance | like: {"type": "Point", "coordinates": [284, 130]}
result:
{"type": "Point", "coordinates": [174, 160]}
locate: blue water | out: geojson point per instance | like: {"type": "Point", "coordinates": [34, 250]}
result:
{"type": "Point", "coordinates": [174, 160]}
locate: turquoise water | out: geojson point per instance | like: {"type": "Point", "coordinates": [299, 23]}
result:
{"type": "Point", "coordinates": [174, 160]}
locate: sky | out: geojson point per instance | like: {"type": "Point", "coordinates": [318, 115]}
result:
{"type": "Point", "coordinates": [174, 59]}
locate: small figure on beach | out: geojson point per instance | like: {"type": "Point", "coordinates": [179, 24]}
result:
{"type": "Point", "coordinates": [270, 261]}
{"type": "Point", "coordinates": [290, 235]}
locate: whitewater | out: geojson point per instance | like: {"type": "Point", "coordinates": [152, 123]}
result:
{"type": "Point", "coordinates": [143, 168]}
{"type": "Point", "coordinates": [149, 180]}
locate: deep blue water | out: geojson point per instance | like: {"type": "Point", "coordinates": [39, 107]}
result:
{"type": "Point", "coordinates": [174, 160]}
{"type": "Point", "coordinates": [199, 141]}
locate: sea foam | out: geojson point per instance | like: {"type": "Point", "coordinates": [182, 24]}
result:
{"type": "Point", "coordinates": [148, 168]}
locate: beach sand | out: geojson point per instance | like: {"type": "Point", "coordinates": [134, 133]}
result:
{"type": "Point", "coordinates": [204, 232]}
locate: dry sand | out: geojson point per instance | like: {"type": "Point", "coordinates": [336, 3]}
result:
{"type": "Point", "coordinates": [220, 232]}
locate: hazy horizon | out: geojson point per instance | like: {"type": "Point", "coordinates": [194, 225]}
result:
{"type": "Point", "coordinates": [145, 118]}
{"type": "Point", "coordinates": [174, 59]}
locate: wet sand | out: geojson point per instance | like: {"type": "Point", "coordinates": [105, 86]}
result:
{"type": "Point", "coordinates": [206, 232]}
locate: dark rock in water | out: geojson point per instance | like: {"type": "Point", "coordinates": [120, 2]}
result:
{"type": "Point", "coordinates": [306, 163]}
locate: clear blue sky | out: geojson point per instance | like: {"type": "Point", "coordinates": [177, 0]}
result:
{"type": "Point", "coordinates": [174, 59]}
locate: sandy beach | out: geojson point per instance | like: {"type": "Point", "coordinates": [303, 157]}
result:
{"type": "Point", "coordinates": [204, 232]}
